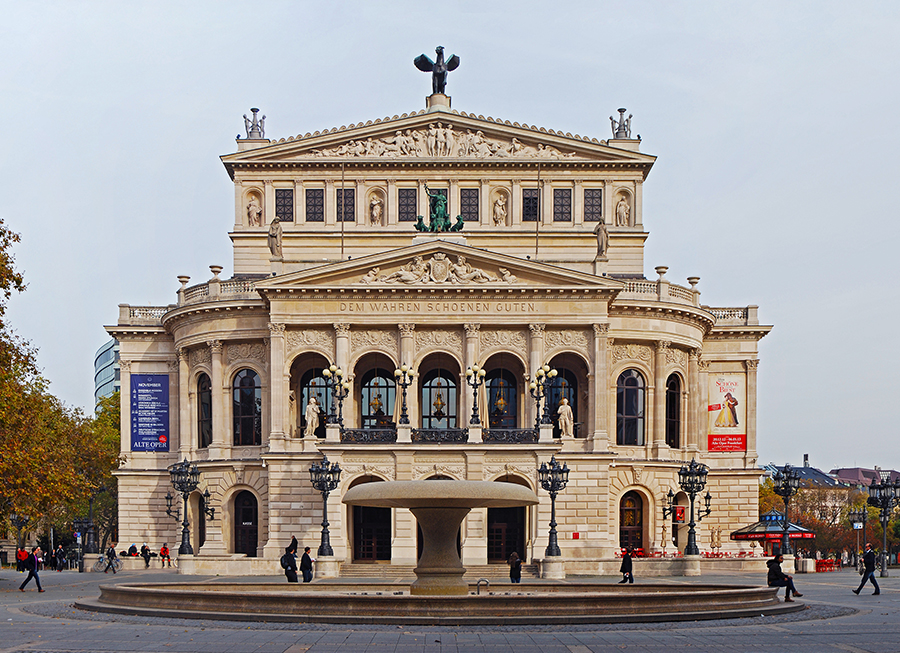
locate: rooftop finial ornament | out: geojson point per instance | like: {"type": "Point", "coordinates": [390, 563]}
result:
{"type": "Point", "coordinates": [622, 128]}
{"type": "Point", "coordinates": [256, 129]}
{"type": "Point", "coordinates": [438, 69]}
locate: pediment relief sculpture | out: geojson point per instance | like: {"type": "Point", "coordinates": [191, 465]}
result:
{"type": "Point", "coordinates": [438, 270]}
{"type": "Point", "coordinates": [440, 140]}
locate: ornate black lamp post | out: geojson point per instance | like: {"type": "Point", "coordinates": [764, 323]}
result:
{"type": "Point", "coordinates": [19, 522]}
{"type": "Point", "coordinates": [475, 378]}
{"type": "Point", "coordinates": [538, 390]}
{"type": "Point", "coordinates": [325, 477]}
{"type": "Point", "coordinates": [334, 381]}
{"type": "Point", "coordinates": [691, 479]}
{"type": "Point", "coordinates": [884, 495]}
{"type": "Point", "coordinates": [553, 480]}
{"type": "Point", "coordinates": [787, 484]}
{"type": "Point", "coordinates": [185, 478]}
{"type": "Point", "coordinates": [404, 377]}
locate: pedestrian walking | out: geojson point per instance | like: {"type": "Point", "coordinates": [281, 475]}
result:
{"type": "Point", "coordinates": [306, 566]}
{"type": "Point", "coordinates": [515, 568]}
{"type": "Point", "coordinates": [164, 556]}
{"type": "Point", "coordinates": [111, 558]}
{"type": "Point", "coordinates": [60, 558]}
{"type": "Point", "coordinates": [31, 565]}
{"type": "Point", "coordinates": [777, 578]}
{"type": "Point", "coordinates": [868, 571]}
{"type": "Point", "coordinates": [627, 567]}
{"type": "Point", "coordinates": [289, 564]}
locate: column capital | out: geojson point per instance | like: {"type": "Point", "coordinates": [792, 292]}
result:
{"type": "Point", "coordinates": [472, 329]}
{"type": "Point", "coordinates": [662, 346]}
{"type": "Point", "coordinates": [601, 329]}
{"type": "Point", "coordinates": [182, 354]}
{"type": "Point", "coordinates": [406, 329]}
{"type": "Point", "coordinates": [694, 354]}
{"type": "Point", "coordinates": [751, 365]}
{"type": "Point", "coordinates": [124, 365]}
{"type": "Point", "coordinates": [276, 329]}
{"type": "Point", "coordinates": [537, 329]}
{"type": "Point", "coordinates": [342, 329]}
{"type": "Point", "coordinates": [215, 346]}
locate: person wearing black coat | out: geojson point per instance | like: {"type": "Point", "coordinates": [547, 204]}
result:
{"type": "Point", "coordinates": [777, 578]}
{"type": "Point", "coordinates": [626, 568]}
{"type": "Point", "coordinates": [869, 573]}
{"type": "Point", "coordinates": [306, 566]}
{"type": "Point", "coordinates": [515, 568]}
{"type": "Point", "coordinates": [31, 564]}
{"type": "Point", "coordinates": [289, 562]}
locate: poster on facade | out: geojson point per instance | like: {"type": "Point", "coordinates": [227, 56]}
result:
{"type": "Point", "coordinates": [149, 412]}
{"type": "Point", "coordinates": [727, 412]}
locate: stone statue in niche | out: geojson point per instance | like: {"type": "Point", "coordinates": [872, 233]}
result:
{"type": "Point", "coordinates": [275, 233]}
{"type": "Point", "coordinates": [602, 238]}
{"type": "Point", "coordinates": [311, 415]}
{"type": "Point", "coordinates": [292, 404]}
{"type": "Point", "coordinates": [566, 419]}
{"type": "Point", "coordinates": [376, 210]}
{"type": "Point", "coordinates": [254, 212]}
{"type": "Point", "coordinates": [500, 210]}
{"type": "Point", "coordinates": [623, 213]}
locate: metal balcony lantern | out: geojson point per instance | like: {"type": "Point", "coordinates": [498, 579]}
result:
{"type": "Point", "coordinates": [537, 388]}
{"type": "Point", "coordinates": [339, 388]}
{"type": "Point", "coordinates": [404, 376]}
{"type": "Point", "coordinates": [884, 495]}
{"type": "Point", "coordinates": [475, 378]}
{"type": "Point", "coordinates": [185, 478]}
{"type": "Point", "coordinates": [553, 479]}
{"type": "Point", "coordinates": [786, 484]}
{"type": "Point", "coordinates": [692, 479]}
{"type": "Point", "coordinates": [325, 478]}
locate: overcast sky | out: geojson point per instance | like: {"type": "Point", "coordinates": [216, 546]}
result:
{"type": "Point", "coordinates": [775, 124]}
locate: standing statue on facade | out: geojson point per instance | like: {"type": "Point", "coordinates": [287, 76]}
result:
{"type": "Point", "coordinates": [254, 212]}
{"type": "Point", "coordinates": [256, 128]}
{"type": "Point", "coordinates": [439, 219]}
{"type": "Point", "coordinates": [500, 211]}
{"type": "Point", "coordinates": [602, 239]}
{"type": "Point", "coordinates": [311, 415]}
{"type": "Point", "coordinates": [622, 127]}
{"type": "Point", "coordinates": [623, 212]}
{"type": "Point", "coordinates": [566, 419]}
{"type": "Point", "coordinates": [438, 68]}
{"type": "Point", "coordinates": [375, 210]}
{"type": "Point", "coordinates": [275, 233]}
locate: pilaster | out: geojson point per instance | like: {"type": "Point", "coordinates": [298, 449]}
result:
{"type": "Point", "coordinates": [277, 394]}
{"type": "Point", "coordinates": [659, 399]}
{"type": "Point", "coordinates": [750, 454]}
{"type": "Point", "coordinates": [184, 404]}
{"type": "Point", "coordinates": [220, 447]}
{"type": "Point", "coordinates": [600, 434]}
{"type": "Point", "coordinates": [535, 360]}
{"type": "Point", "coordinates": [125, 405]}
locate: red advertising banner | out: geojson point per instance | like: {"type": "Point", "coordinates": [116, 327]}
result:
{"type": "Point", "coordinates": [731, 442]}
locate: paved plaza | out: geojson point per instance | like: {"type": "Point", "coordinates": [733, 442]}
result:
{"type": "Point", "coordinates": [835, 621]}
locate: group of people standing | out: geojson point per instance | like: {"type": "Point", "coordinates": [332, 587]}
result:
{"type": "Point", "coordinates": [289, 563]}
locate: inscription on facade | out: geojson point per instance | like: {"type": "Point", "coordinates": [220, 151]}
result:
{"type": "Point", "coordinates": [437, 307]}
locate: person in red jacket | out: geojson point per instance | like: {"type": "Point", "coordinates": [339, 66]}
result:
{"type": "Point", "coordinates": [164, 555]}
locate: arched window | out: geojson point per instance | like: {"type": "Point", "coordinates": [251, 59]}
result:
{"type": "Point", "coordinates": [562, 386]}
{"type": "Point", "coordinates": [312, 384]}
{"type": "Point", "coordinates": [439, 400]}
{"type": "Point", "coordinates": [630, 400]}
{"type": "Point", "coordinates": [631, 521]}
{"type": "Point", "coordinates": [377, 400]}
{"type": "Point", "coordinates": [247, 397]}
{"type": "Point", "coordinates": [673, 411]}
{"type": "Point", "coordinates": [503, 408]}
{"type": "Point", "coordinates": [204, 412]}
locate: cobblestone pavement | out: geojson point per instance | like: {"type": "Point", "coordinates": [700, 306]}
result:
{"type": "Point", "coordinates": [836, 621]}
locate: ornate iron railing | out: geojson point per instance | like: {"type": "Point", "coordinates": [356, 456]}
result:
{"type": "Point", "coordinates": [368, 436]}
{"type": "Point", "coordinates": [440, 435]}
{"type": "Point", "coordinates": [510, 436]}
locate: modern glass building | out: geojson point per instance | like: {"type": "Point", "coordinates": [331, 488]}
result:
{"type": "Point", "coordinates": [106, 370]}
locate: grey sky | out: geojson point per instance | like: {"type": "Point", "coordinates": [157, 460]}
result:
{"type": "Point", "coordinates": [775, 126]}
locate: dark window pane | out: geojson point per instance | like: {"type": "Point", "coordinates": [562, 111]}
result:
{"type": "Point", "coordinates": [468, 200]}
{"type": "Point", "coordinates": [284, 204]}
{"type": "Point", "coordinates": [315, 205]}
{"type": "Point", "coordinates": [406, 203]}
{"type": "Point", "coordinates": [630, 408]}
{"type": "Point", "coordinates": [530, 204]}
{"type": "Point", "coordinates": [346, 214]}
{"type": "Point", "coordinates": [204, 416]}
{"type": "Point", "coordinates": [247, 408]}
{"type": "Point", "coordinates": [593, 205]}
{"type": "Point", "coordinates": [673, 411]}
{"type": "Point", "coordinates": [562, 205]}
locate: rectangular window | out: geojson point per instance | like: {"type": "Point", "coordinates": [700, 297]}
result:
{"type": "Point", "coordinates": [407, 198]}
{"type": "Point", "coordinates": [284, 204]}
{"type": "Point", "coordinates": [593, 205]}
{"type": "Point", "coordinates": [315, 205]}
{"type": "Point", "coordinates": [348, 195]}
{"type": "Point", "coordinates": [530, 204]}
{"type": "Point", "coordinates": [562, 205]}
{"type": "Point", "coordinates": [468, 204]}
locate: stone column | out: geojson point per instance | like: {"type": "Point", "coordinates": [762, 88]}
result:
{"type": "Point", "coordinates": [659, 399]}
{"type": "Point", "coordinates": [299, 202]}
{"type": "Point", "coordinates": [515, 202]}
{"type": "Point", "coordinates": [277, 394]}
{"type": "Point", "coordinates": [342, 346]}
{"type": "Point", "coordinates": [484, 204]}
{"type": "Point", "coordinates": [220, 447]}
{"type": "Point", "coordinates": [535, 360]}
{"type": "Point", "coordinates": [453, 203]}
{"type": "Point", "coordinates": [240, 213]}
{"type": "Point", "coordinates": [696, 416]}
{"type": "Point", "coordinates": [609, 192]}
{"type": "Point", "coordinates": [578, 203]}
{"type": "Point", "coordinates": [545, 198]}
{"type": "Point", "coordinates": [392, 210]}
{"type": "Point", "coordinates": [471, 358]}
{"type": "Point", "coordinates": [422, 199]}
{"type": "Point", "coordinates": [125, 405]}
{"type": "Point", "coordinates": [703, 404]}
{"type": "Point", "coordinates": [360, 209]}
{"type": "Point", "coordinates": [330, 203]}
{"type": "Point", "coordinates": [184, 404]}
{"type": "Point", "coordinates": [269, 201]}
{"type": "Point", "coordinates": [750, 454]}
{"type": "Point", "coordinates": [600, 434]}
{"type": "Point", "coordinates": [408, 357]}
{"type": "Point", "coordinates": [637, 218]}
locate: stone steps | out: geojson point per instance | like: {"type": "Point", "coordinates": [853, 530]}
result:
{"type": "Point", "coordinates": [394, 572]}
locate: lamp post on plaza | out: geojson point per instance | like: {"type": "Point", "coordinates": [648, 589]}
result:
{"type": "Point", "coordinates": [691, 479]}
{"type": "Point", "coordinates": [334, 381]}
{"type": "Point", "coordinates": [325, 477]}
{"type": "Point", "coordinates": [787, 484]}
{"type": "Point", "coordinates": [185, 478]}
{"type": "Point", "coordinates": [538, 390]}
{"type": "Point", "coordinates": [884, 495]}
{"type": "Point", "coordinates": [859, 516]}
{"type": "Point", "coordinates": [19, 522]}
{"type": "Point", "coordinates": [404, 376]}
{"type": "Point", "coordinates": [475, 378]}
{"type": "Point", "coordinates": [553, 479]}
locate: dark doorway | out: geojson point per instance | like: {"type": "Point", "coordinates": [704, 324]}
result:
{"type": "Point", "coordinates": [246, 524]}
{"type": "Point", "coordinates": [371, 534]}
{"type": "Point", "coordinates": [506, 533]}
{"type": "Point", "coordinates": [631, 521]}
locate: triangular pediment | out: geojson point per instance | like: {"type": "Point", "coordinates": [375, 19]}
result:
{"type": "Point", "coordinates": [439, 264]}
{"type": "Point", "coordinates": [437, 135]}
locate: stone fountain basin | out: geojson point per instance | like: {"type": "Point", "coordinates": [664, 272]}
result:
{"type": "Point", "coordinates": [503, 603]}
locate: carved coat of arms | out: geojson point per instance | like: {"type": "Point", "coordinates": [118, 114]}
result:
{"type": "Point", "coordinates": [439, 267]}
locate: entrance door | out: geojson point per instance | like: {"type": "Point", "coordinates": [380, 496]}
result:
{"type": "Point", "coordinates": [246, 523]}
{"type": "Point", "coordinates": [371, 534]}
{"type": "Point", "coordinates": [506, 533]}
{"type": "Point", "coordinates": [631, 521]}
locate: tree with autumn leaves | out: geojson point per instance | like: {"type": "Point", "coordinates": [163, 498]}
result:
{"type": "Point", "coordinates": [53, 458]}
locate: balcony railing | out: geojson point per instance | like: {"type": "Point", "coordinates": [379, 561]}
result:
{"type": "Point", "coordinates": [368, 436]}
{"type": "Point", "coordinates": [454, 436]}
{"type": "Point", "coordinates": [510, 436]}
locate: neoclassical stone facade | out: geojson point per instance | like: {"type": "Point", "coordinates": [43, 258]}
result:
{"type": "Point", "coordinates": [330, 269]}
